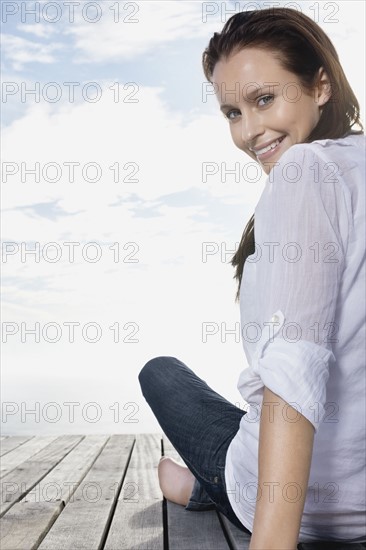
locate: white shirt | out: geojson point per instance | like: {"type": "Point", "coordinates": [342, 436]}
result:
{"type": "Point", "coordinates": [302, 309]}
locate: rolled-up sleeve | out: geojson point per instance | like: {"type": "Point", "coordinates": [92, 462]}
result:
{"type": "Point", "coordinates": [301, 233]}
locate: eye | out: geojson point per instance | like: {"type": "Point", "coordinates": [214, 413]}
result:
{"type": "Point", "coordinates": [229, 113]}
{"type": "Point", "coordinates": [265, 97]}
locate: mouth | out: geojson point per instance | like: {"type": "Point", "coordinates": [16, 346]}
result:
{"type": "Point", "coordinates": [267, 152]}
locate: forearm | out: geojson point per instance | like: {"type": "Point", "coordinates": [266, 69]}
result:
{"type": "Point", "coordinates": [284, 460]}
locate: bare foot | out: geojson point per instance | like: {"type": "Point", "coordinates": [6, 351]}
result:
{"type": "Point", "coordinates": [176, 481]}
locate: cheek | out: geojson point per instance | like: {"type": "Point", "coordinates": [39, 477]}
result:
{"type": "Point", "coordinates": [287, 113]}
{"type": "Point", "coordinates": [296, 117]}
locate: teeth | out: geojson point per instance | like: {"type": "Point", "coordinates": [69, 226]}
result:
{"type": "Point", "coordinates": [269, 147]}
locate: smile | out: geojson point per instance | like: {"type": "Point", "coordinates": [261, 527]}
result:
{"type": "Point", "coordinates": [269, 150]}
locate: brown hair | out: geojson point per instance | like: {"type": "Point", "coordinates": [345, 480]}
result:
{"type": "Point", "coordinates": [301, 47]}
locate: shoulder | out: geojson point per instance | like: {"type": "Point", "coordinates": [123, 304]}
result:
{"type": "Point", "coordinates": [330, 170]}
{"type": "Point", "coordinates": [321, 160]}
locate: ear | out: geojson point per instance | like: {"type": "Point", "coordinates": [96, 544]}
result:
{"type": "Point", "coordinates": [322, 88]}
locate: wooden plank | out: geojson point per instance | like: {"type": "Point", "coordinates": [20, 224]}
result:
{"type": "Point", "coordinates": [23, 478]}
{"type": "Point", "coordinates": [14, 536]}
{"type": "Point", "coordinates": [238, 539]}
{"type": "Point", "coordinates": [188, 529]}
{"type": "Point", "coordinates": [194, 530]}
{"type": "Point", "coordinates": [138, 519]}
{"type": "Point", "coordinates": [29, 520]}
{"type": "Point", "coordinates": [10, 443]}
{"type": "Point", "coordinates": [85, 519]}
{"type": "Point", "coordinates": [22, 453]}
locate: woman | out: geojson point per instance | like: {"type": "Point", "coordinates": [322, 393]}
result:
{"type": "Point", "coordinates": [291, 469]}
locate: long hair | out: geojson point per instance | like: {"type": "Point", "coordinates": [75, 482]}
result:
{"type": "Point", "coordinates": [301, 47]}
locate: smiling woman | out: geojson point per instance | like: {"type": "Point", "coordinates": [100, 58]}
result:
{"type": "Point", "coordinates": [310, 97]}
{"type": "Point", "coordinates": [290, 469]}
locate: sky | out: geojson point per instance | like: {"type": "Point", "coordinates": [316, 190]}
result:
{"type": "Point", "coordinates": [123, 200]}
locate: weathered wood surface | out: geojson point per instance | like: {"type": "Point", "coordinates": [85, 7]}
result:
{"type": "Point", "coordinates": [76, 492]}
{"type": "Point", "coordinates": [20, 480]}
{"type": "Point", "coordinates": [36, 512]}
{"type": "Point", "coordinates": [238, 539]}
{"type": "Point", "coordinates": [20, 452]}
{"type": "Point", "coordinates": [193, 530]}
{"type": "Point", "coordinates": [85, 520]}
{"type": "Point", "coordinates": [9, 443]}
{"type": "Point", "coordinates": [138, 518]}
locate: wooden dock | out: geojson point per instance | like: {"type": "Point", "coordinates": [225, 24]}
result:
{"type": "Point", "coordinates": [86, 492]}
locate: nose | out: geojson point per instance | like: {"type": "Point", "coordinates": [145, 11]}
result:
{"type": "Point", "coordinates": [251, 128]}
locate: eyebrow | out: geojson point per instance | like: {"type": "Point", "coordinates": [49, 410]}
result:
{"type": "Point", "coordinates": [248, 95]}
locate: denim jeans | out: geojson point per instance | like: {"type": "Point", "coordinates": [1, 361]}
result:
{"type": "Point", "coordinates": [199, 423]}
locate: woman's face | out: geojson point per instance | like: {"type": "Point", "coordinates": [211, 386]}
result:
{"type": "Point", "coordinates": [281, 109]}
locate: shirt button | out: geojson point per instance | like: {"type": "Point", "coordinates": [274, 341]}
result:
{"type": "Point", "coordinates": [216, 479]}
{"type": "Point", "coordinates": [275, 318]}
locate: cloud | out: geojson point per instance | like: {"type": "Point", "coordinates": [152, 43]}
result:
{"type": "Point", "coordinates": [49, 210]}
{"type": "Point", "coordinates": [154, 150]}
{"type": "Point", "coordinates": [162, 220]}
{"type": "Point", "coordinates": [20, 51]}
{"type": "Point", "coordinates": [41, 30]}
{"type": "Point", "coordinates": [151, 25]}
